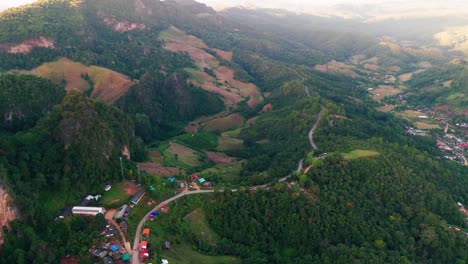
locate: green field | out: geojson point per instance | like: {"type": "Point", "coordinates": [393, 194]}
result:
{"type": "Point", "coordinates": [194, 75]}
{"type": "Point", "coordinates": [226, 173]}
{"type": "Point", "coordinates": [115, 197]}
{"type": "Point", "coordinates": [198, 141]}
{"type": "Point", "coordinates": [360, 153]}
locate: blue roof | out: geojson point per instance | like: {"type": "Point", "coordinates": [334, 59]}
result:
{"type": "Point", "coordinates": [202, 180]}
{"type": "Point", "coordinates": [153, 214]}
{"type": "Point", "coordinates": [114, 248]}
{"type": "Point", "coordinates": [172, 179]}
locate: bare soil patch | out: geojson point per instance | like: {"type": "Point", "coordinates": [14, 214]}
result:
{"type": "Point", "coordinates": [227, 55]}
{"type": "Point", "coordinates": [447, 84]}
{"type": "Point", "coordinates": [202, 58]}
{"type": "Point", "coordinates": [224, 123]}
{"type": "Point", "coordinates": [220, 158]}
{"type": "Point", "coordinates": [129, 187]}
{"type": "Point", "coordinates": [7, 210]}
{"type": "Point", "coordinates": [158, 169]}
{"type": "Point", "coordinates": [407, 76]}
{"type": "Point", "coordinates": [383, 91]}
{"type": "Point", "coordinates": [385, 108]}
{"type": "Point", "coordinates": [394, 68]}
{"type": "Point", "coordinates": [424, 64]}
{"type": "Point", "coordinates": [26, 46]}
{"type": "Point", "coordinates": [108, 85]}
{"type": "Point", "coordinates": [337, 67]}
{"type": "Point", "coordinates": [371, 67]}
{"type": "Point", "coordinates": [226, 75]}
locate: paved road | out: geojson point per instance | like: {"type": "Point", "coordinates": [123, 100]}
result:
{"type": "Point", "coordinates": [314, 127]}
{"type": "Point", "coordinates": [136, 243]}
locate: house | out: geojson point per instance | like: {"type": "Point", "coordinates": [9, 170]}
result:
{"type": "Point", "coordinates": [137, 197]}
{"type": "Point", "coordinates": [126, 257]}
{"type": "Point", "coordinates": [98, 252]}
{"type": "Point", "coordinates": [88, 210]}
{"type": "Point", "coordinates": [144, 254]}
{"type": "Point", "coordinates": [120, 213]}
{"type": "Point", "coordinates": [108, 260]}
{"type": "Point", "coordinates": [207, 184]}
{"type": "Point", "coordinates": [124, 225]}
{"type": "Point", "coordinates": [152, 215]}
{"type": "Point", "coordinates": [108, 187]}
{"type": "Point", "coordinates": [144, 244]}
{"type": "Point", "coordinates": [182, 185]}
{"type": "Point", "coordinates": [114, 248]}
{"type": "Point", "coordinates": [164, 261]}
{"type": "Point", "coordinates": [146, 232]}
{"type": "Point", "coordinates": [67, 211]}
{"type": "Point", "coordinates": [194, 177]}
{"type": "Point", "coordinates": [459, 204]}
{"type": "Point", "coordinates": [202, 180]}
{"type": "Point", "coordinates": [172, 179]}
{"type": "Point", "coordinates": [166, 245]}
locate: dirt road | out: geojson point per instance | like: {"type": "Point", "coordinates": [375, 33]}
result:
{"type": "Point", "coordinates": [109, 217]}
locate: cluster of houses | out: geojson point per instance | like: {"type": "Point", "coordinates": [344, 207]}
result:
{"type": "Point", "coordinates": [110, 253]}
{"type": "Point", "coordinates": [143, 248]}
{"type": "Point", "coordinates": [202, 181]}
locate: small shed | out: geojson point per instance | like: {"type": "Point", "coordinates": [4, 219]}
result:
{"type": "Point", "coordinates": [124, 225]}
{"type": "Point", "coordinates": [202, 180]}
{"type": "Point", "coordinates": [108, 260]}
{"type": "Point", "coordinates": [181, 185]}
{"type": "Point", "coordinates": [120, 213]}
{"type": "Point", "coordinates": [164, 261]}
{"type": "Point", "coordinates": [194, 177]}
{"type": "Point", "coordinates": [114, 248]}
{"type": "Point", "coordinates": [146, 232]}
{"type": "Point", "coordinates": [172, 179]}
{"type": "Point", "coordinates": [166, 245]}
{"type": "Point", "coordinates": [126, 257]}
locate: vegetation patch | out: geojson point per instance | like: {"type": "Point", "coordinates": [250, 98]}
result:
{"type": "Point", "coordinates": [183, 154]}
{"type": "Point", "coordinates": [119, 194]}
{"type": "Point", "coordinates": [224, 123]}
{"type": "Point", "coordinates": [424, 125]}
{"type": "Point", "coordinates": [360, 153]}
{"type": "Point", "coordinates": [227, 143]}
{"type": "Point", "coordinates": [201, 140]}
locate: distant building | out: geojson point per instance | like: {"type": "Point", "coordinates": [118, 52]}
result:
{"type": "Point", "coordinates": [146, 232]}
{"type": "Point", "coordinates": [120, 213]}
{"type": "Point", "coordinates": [88, 210]}
{"type": "Point", "coordinates": [124, 225]}
{"type": "Point", "coordinates": [137, 197]}
{"type": "Point", "coordinates": [144, 244]}
{"type": "Point", "coordinates": [166, 245]}
{"type": "Point", "coordinates": [98, 252]}
{"type": "Point", "coordinates": [108, 260]}
{"type": "Point", "coordinates": [108, 187]}
{"type": "Point", "coordinates": [164, 261]}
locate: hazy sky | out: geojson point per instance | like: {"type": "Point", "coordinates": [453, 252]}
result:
{"type": "Point", "coordinates": [4, 4]}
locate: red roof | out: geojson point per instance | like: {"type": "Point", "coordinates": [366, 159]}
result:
{"type": "Point", "coordinates": [143, 245]}
{"type": "Point", "coordinates": [194, 177]}
{"type": "Point", "coordinates": [164, 207]}
{"type": "Point", "coordinates": [144, 253]}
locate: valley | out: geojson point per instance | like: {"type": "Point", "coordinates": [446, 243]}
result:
{"type": "Point", "coordinates": [145, 131]}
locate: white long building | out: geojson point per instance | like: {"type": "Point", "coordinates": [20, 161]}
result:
{"type": "Point", "coordinates": [88, 210]}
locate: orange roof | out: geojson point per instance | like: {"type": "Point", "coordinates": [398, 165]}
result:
{"type": "Point", "coordinates": [146, 232]}
{"type": "Point", "coordinates": [144, 244]}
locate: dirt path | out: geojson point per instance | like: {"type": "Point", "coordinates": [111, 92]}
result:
{"type": "Point", "coordinates": [109, 217]}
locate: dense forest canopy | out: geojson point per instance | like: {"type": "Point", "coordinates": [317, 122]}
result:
{"type": "Point", "coordinates": [369, 192]}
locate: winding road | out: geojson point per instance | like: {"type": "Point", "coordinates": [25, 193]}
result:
{"type": "Point", "coordinates": [135, 257]}
{"type": "Point", "coordinates": [314, 127]}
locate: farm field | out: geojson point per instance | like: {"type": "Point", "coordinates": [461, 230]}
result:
{"type": "Point", "coordinates": [360, 153]}
{"type": "Point", "coordinates": [382, 91]}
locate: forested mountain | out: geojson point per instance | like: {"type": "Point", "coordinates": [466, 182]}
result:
{"type": "Point", "coordinates": [260, 90]}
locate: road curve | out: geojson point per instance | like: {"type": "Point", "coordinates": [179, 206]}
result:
{"type": "Point", "coordinates": [135, 257]}
{"type": "Point", "coordinates": [314, 127]}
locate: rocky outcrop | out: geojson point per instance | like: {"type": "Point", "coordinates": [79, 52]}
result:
{"type": "Point", "coordinates": [7, 210]}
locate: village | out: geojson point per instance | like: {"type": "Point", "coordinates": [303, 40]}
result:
{"type": "Point", "coordinates": [113, 246]}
